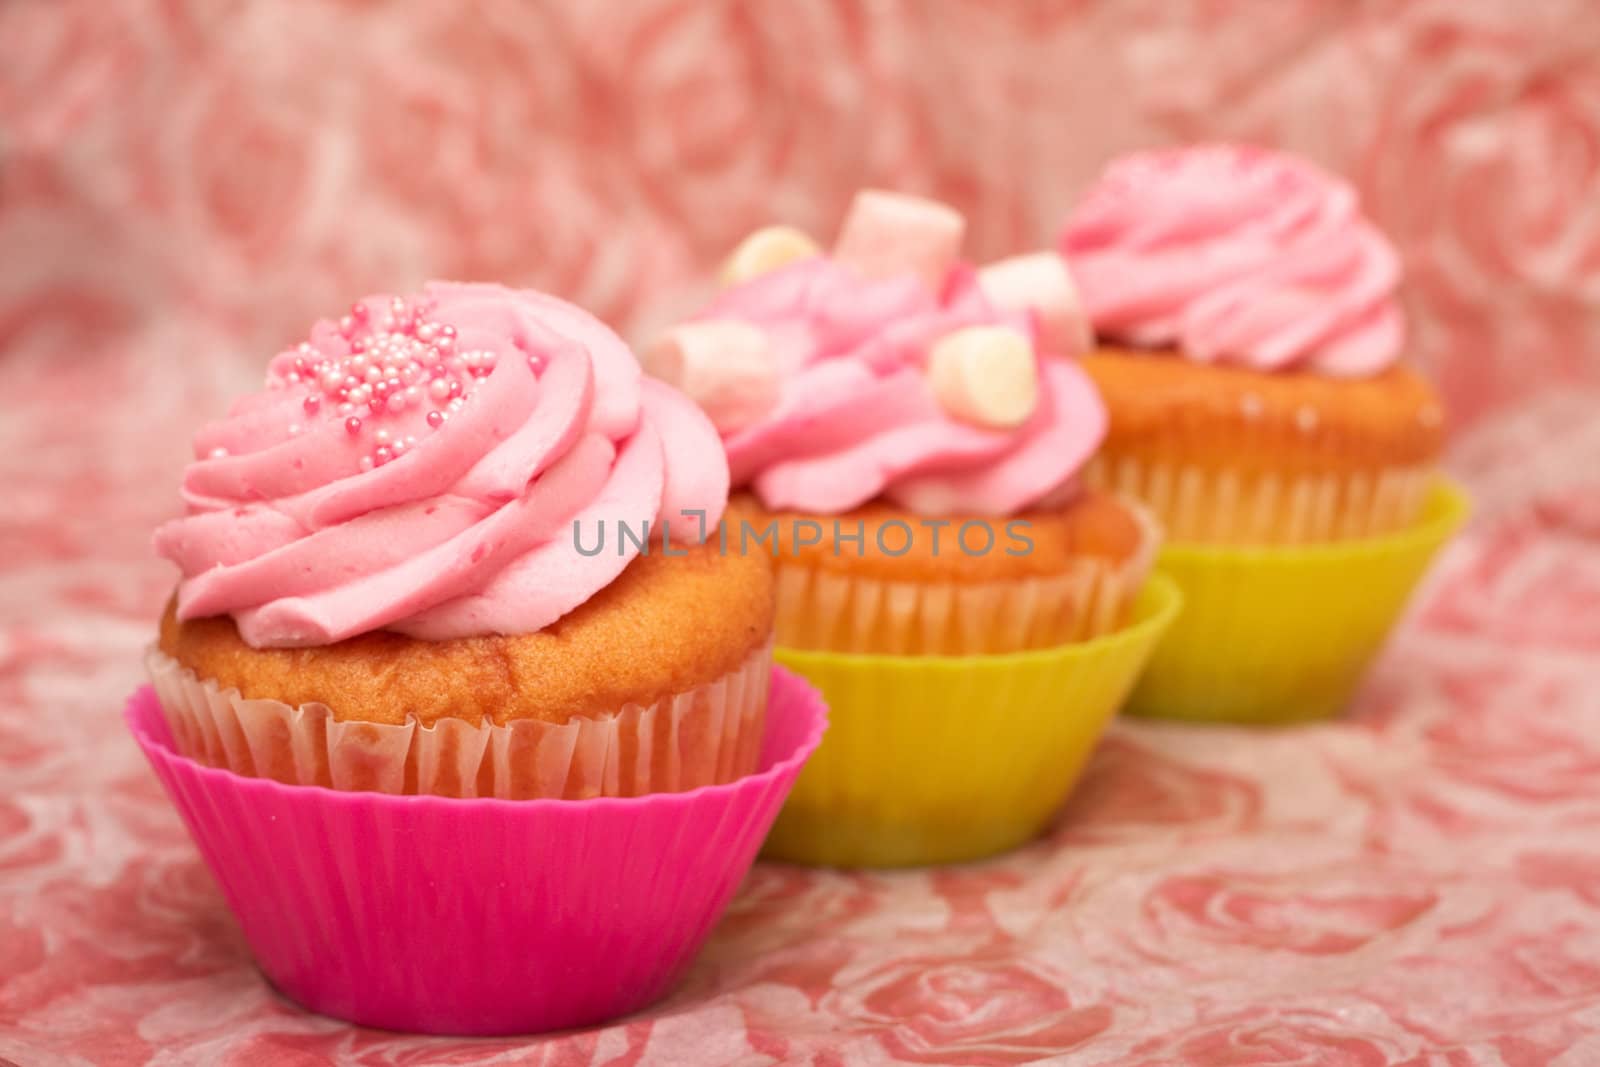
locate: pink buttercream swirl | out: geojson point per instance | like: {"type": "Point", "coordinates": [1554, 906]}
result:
{"type": "Point", "coordinates": [855, 417]}
{"type": "Point", "coordinates": [1237, 255]}
{"type": "Point", "coordinates": [419, 467]}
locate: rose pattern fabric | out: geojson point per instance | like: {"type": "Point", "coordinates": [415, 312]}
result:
{"type": "Point", "coordinates": [184, 185]}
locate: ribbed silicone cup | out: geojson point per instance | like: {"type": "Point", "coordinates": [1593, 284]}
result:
{"type": "Point", "coordinates": [478, 916]}
{"type": "Point", "coordinates": [942, 759]}
{"type": "Point", "coordinates": [1284, 634]}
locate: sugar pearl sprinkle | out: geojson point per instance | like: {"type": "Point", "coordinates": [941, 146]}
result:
{"type": "Point", "coordinates": [402, 372]}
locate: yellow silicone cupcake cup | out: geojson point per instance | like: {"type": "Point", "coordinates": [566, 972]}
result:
{"type": "Point", "coordinates": [940, 759]}
{"type": "Point", "coordinates": [1284, 634]}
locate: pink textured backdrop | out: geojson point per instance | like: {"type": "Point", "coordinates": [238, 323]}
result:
{"type": "Point", "coordinates": [184, 184]}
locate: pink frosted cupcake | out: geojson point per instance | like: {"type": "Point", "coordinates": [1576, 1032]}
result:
{"type": "Point", "coordinates": [403, 574]}
{"type": "Point", "coordinates": [906, 428]}
{"type": "Point", "coordinates": [1251, 350]}
{"type": "Point", "coordinates": [420, 560]}
{"type": "Point", "coordinates": [902, 422]}
{"type": "Point", "coordinates": [1252, 357]}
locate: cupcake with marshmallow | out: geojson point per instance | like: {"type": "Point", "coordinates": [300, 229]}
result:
{"type": "Point", "coordinates": [909, 453]}
{"type": "Point", "coordinates": [908, 446]}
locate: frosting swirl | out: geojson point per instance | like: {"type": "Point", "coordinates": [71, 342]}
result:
{"type": "Point", "coordinates": [836, 380]}
{"type": "Point", "coordinates": [419, 466]}
{"type": "Point", "coordinates": [1238, 255]}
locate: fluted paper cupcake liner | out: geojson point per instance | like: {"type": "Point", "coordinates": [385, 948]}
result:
{"type": "Point", "coordinates": [481, 916]}
{"type": "Point", "coordinates": [1199, 504]}
{"type": "Point", "coordinates": [1275, 635]}
{"type": "Point", "coordinates": [939, 759]}
{"type": "Point", "coordinates": [710, 734]}
{"type": "Point", "coordinates": [845, 612]}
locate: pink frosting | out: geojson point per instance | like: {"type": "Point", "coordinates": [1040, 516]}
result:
{"type": "Point", "coordinates": [437, 517]}
{"type": "Point", "coordinates": [856, 418]}
{"type": "Point", "coordinates": [1238, 255]}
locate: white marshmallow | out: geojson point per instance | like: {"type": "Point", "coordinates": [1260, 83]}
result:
{"type": "Point", "coordinates": [885, 234]}
{"type": "Point", "coordinates": [985, 375]}
{"type": "Point", "coordinates": [1040, 282]}
{"type": "Point", "coordinates": [766, 250]}
{"type": "Point", "coordinates": [726, 367]}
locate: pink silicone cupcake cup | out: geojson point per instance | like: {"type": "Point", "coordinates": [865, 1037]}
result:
{"type": "Point", "coordinates": [482, 916]}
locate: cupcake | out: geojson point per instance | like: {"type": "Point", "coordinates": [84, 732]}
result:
{"type": "Point", "coordinates": [449, 548]}
{"type": "Point", "coordinates": [1250, 345]}
{"type": "Point", "coordinates": [909, 457]}
{"type": "Point", "coordinates": [448, 551]}
{"type": "Point", "coordinates": [1250, 354]}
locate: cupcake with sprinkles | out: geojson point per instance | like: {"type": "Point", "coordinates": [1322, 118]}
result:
{"type": "Point", "coordinates": [384, 585]}
{"type": "Point", "coordinates": [1250, 351]}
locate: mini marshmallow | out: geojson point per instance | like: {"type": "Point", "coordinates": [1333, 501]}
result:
{"type": "Point", "coordinates": [985, 375]}
{"type": "Point", "coordinates": [765, 251]}
{"type": "Point", "coordinates": [887, 234]}
{"type": "Point", "coordinates": [725, 366]}
{"type": "Point", "coordinates": [1040, 283]}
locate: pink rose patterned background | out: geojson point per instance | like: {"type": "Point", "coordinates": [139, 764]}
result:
{"type": "Point", "coordinates": [185, 183]}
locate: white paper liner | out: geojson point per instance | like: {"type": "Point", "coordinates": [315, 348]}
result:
{"type": "Point", "coordinates": [836, 612]}
{"type": "Point", "coordinates": [1196, 504]}
{"type": "Point", "coordinates": [710, 734]}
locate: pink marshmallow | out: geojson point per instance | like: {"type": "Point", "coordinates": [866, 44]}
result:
{"type": "Point", "coordinates": [724, 365]}
{"type": "Point", "coordinates": [887, 234]}
{"type": "Point", "coordinates": [1039, 282]}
